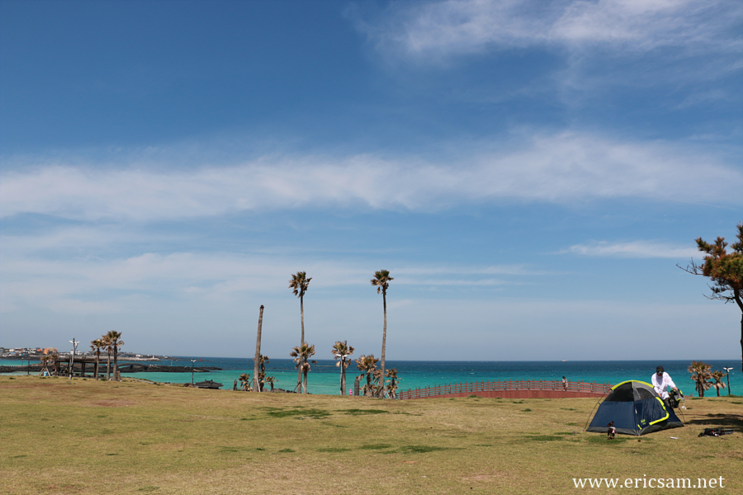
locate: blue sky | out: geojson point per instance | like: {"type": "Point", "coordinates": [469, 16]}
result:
{"type": "Point", "coordinates": [530, 172]}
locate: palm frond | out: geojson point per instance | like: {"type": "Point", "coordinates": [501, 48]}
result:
{"type": "Point", "coordinates": [299, 283]}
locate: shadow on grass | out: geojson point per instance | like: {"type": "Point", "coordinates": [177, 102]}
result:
{"type": "Point", "coordinates": [601, 438]}
{"type": "Point", "coordinates": [310, 413]}
{"type": "Point", "coordinates": [233, 450]}
{"type": "Point", "coordinates": [420, 449]}
{"type": "Point", "coordinates": [362, 412]}
{"type": "Point", "coordinates": [376, 446]}
{"type": "Point", "coordinates": [405, 449]}
{"type": "Point", "coordinates": [729, 420]}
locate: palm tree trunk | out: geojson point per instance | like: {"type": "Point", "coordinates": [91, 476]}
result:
{"type": "Point", "coordinates": [384, 341]}
{"type": "Point", "coordinates": [97, 359]}
{"type": "Point", "coordinates": [343, 376]}
{"type": "Point", "coordinates": [299, 369]}
{"type": "Point", "coordinates": [301, 312]}
{"type": "Point", "coordinates": [116, 361]}
{"type": "Point", "coordinates": [108, 365]}
{"type": "Point", "coordinates": [305, 380]}
{"type": "Point", "coordinates": [256, 382]}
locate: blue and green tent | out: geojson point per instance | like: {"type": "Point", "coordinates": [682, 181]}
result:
{"type": "Point", "coordinates": [635, 408]}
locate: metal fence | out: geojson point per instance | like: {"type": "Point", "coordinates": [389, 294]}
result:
{"type": "Point", "coordinates": [506, 385]}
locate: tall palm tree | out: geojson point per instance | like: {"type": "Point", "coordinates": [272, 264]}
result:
{"type": "Point", "coordinates": [341, 351]}
{"type": "Point", "coordinates": [96, 345]}
{"type": "Point", "coordinates": [368, 365]}
{"type": "Point", "coordinates": [256, 385]}
{"type": "Point", "coordinates": [717, 376]}
{"type": "Point", "coordinates": [700, 373]}
{"type": "Point", "coordinates": [109, 350]}
{"type": "Point", "coordinates": [382, 281]}
{"type": "Point", "coordinates": [114, 342]}
{"type": "Point", "coordinates": [299, 283]}
{"type": "Point", "coordinates": [244, 379]}
{"type": "Point", "coordinates": [301, 355]}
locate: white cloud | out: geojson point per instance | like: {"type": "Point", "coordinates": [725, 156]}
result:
{"type": "Point", "coordinates": [76, 306]}
{"type": "Point", "coordinates": [92, 286]}
{"type": "Point", "coordinates": [561, 168]}
{"type": "Point", "coordinates": [633, 249]}
{"type": "Point", "coordinates": [437, 30]}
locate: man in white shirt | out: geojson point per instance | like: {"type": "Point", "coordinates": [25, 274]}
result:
{"type": "Point", "coordinates": [661, 381]}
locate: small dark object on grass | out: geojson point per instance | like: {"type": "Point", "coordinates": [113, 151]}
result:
{"type": "Point", "coordinates": [716, 432]}
{"type": "Point", "coordinates": [611, 432]}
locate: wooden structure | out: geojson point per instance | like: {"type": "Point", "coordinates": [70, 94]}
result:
{"type": "Point", "coordinates": [211, 384]}
{"type": "Point", "coordinates": [510, 389]}
{"type": "Point", "coordinates": [82, 365]}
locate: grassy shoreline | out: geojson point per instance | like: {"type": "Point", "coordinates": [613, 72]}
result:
{"type": "Point", "coordinates": [82, 436]}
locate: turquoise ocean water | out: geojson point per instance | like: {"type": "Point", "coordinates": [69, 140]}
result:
{"type": "Point", "coordinates": [325, 378]}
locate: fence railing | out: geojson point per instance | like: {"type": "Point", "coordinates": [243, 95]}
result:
{"type": "Point", "coordinates": [505, 385]}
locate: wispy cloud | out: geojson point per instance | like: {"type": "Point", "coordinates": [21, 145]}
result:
{"type": "Point", "coordinates": [633, 249]}
{"type": "Point", "coordinates": [91, 286]}
{"type": "Point", "coordinates": [436, 30]}
{"type": "Point", "coordinates": [562, 168]}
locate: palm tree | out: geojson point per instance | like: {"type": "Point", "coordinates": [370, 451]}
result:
{"type": "Point", "coordinates": [113, 341]}
{"type": "Point", "coordinates": [717, 376]}
{"type": "Point", "coordinates": [382, 281]}
{"type": "Point", "coordinates": [341, 351]}
{"type": "Point", "coordinates": [256, 385]}
{"type": "Point", "coordinates": [392, 386]}
{"type": "Point", "coordinates": [271, 380]}
{"type": "Point", "coordinates": [301, 355]}
{"type": "Point", "coordinates": [299, 283]}
{"type": "Point", "coordinates": [55, 358]}
{"type": "Point", "coordinates": [700, 374]}
{"type": "Point", "coordinates": [109, 349]}
{"type": "Point", "coordinates": [262, 360]}
{"type": "Point", "coordinates": [367, 364]}
{"type": "Point", "coordinates": [96, 345]}
{"type": "Point", "coordinates": [244, 379]}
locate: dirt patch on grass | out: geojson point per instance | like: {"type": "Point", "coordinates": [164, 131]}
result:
{"type": "Point", "coordinates": [483, 478]}
{"type": "Point", "coordinates": [111, 403]}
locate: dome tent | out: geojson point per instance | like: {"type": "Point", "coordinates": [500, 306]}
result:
{"type": "Point", "coordinates": [635, 408]}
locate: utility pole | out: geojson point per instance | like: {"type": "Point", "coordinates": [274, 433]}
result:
{"type": "Point", "coordinates": [728, 370]}
{"type": "Point", "coordinates": [72, 359]}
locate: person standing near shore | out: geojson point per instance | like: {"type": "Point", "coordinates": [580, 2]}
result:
{"type": "Point", "coordinates": [564, 384]}
{"type": "Point", "coordinates": [661, 381]}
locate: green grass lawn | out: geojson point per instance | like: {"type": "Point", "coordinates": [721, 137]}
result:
{"type": "Point", "coordinates": [82, 436]}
